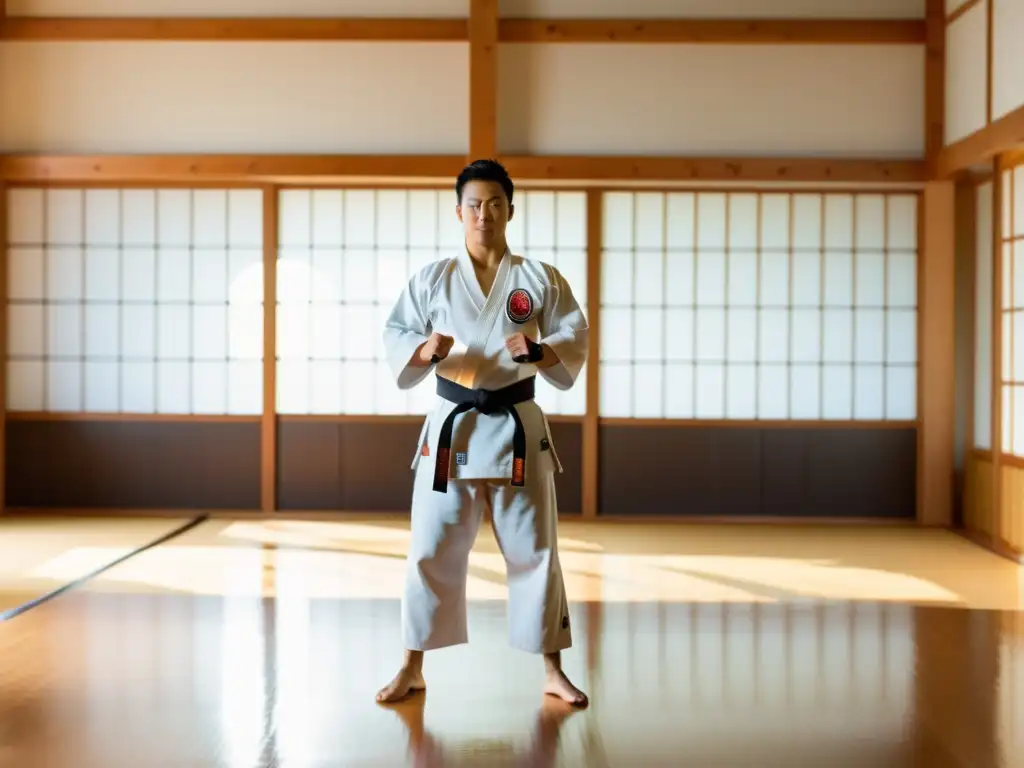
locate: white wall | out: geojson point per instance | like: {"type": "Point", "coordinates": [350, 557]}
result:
{"type": "Point", "coordinates": [351, 97]}
{"type": "Point", "coordinates": [727, 99]}
{"type": "Point", "coordinates": [966, 73]}
{"type": "Point", "coordinates": [131, 97]}
{"type": "Point", "coordinates": [371, 98]}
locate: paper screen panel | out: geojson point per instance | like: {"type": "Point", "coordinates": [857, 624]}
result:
{"type": "Point", "coordinates": [345, 256]}
{"type": "Point", "coordinates": [983, 275]}
{"type": "Point", "coordinates": [1007, 63]}
{"type": "Point", "coordinates": [966, 83]}
{"type": "Point", "coordinates": [729, 305]}
{"type": "Point", "coordinates": [135, 301]}
{"type": "Point", "coordinates": [1011, 251]}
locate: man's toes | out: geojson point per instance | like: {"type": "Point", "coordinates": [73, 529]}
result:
{"type": "Point", "coordinates": [390, 693]}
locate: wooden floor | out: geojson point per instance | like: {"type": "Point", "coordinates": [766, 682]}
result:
{"type": "Point", "coordinates": [262, 644]}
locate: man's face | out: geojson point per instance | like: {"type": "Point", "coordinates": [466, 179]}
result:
{"type": "Point", "coordinates": [484, 212]}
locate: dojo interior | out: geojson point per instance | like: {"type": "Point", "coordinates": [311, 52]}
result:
{"type": "Point", "coordinates": [792, 505]}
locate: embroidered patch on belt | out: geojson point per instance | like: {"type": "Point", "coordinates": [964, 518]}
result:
{"type": "Point", "coordinates": [460, 458]}
{"type": "Point", "coordinates": [519, 306]}
{"type": "Point", "coordinates": [544, 444]}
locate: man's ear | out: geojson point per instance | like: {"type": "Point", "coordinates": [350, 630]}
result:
{"type": "Point", "coordinates": [458, 210]}
{"type": "Point", "coordinates": [511, 211]}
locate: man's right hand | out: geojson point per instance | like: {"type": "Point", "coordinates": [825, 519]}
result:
{"type": "Point", "coordinates": [438, 344]}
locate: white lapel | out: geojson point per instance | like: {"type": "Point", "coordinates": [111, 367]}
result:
{"type": "Point", "coordinates": [472, 285]}
{"type": "Point", "coordinates": [489, 308]}
{"type": "Point", "coordinates": [469, 281]}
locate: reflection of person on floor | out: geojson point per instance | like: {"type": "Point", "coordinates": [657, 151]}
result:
{"type": "Point", "coordinates": [487, 323]}
{"type": "Point", "coordinates": [429, 752]}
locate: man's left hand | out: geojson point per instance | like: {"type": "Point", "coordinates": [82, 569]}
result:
{"type": "Point", "coordinates": [523, 350]}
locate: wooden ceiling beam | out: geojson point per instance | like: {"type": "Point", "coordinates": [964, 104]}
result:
{"type": "Point", "coordinates": [222, 168]}
{"type": "Point", "coordinates": [718, 169]}
{"type": "Point", "coordinates": [254, 29]}
{"type": "Point", "coordinates": [691, 31]}
{"type": "Point", "coordinates": [714, 31]}
{"type": "Point", "coordinates": [311, 169]}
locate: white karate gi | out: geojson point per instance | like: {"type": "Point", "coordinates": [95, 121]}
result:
{"type": "Point", "coordinates": [446, 297]}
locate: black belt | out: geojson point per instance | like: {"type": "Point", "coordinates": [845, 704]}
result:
{"type": "Point", "coordinates": [487, 401]}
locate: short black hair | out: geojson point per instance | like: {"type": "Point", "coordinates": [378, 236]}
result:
{"type": "Point", "coordinates": [485, 170]}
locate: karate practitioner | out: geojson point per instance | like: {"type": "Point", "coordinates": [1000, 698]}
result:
{"type": "Point", "coordinates": [486, 322]}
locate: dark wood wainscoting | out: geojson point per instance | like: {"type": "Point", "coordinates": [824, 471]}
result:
{"type": "Point", "coordinates": [683, 471]}
{"type": "Point", "coordinates": [92, 464]}
{"type": "Point", "coordinates": [809, 472]}
{"type": "Point", "coordinates": [353, 465]}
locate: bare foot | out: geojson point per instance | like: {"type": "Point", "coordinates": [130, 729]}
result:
{"type": "Point", "coordinates": [406, 682]}
{"type": "Point", "coordinates": [557, 684]}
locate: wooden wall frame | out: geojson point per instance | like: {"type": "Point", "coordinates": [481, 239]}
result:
{"type": "Point", "coordinates": [268, 419]}
{"type": "Point", "coordinates": [483, 30]}
{"type": "Point", "coordinates": [591, 422]}
{"type": "Point", "coordinates": [509, 30]}
{"type": "Point", "coordinates": [1007, 464]}
{"type": "Point", "coordinates": [579, 170]}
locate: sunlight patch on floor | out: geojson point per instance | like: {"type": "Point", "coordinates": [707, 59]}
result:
{"type": "Point", "coordinates": [210, 570]}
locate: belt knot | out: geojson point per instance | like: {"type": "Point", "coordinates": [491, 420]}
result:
{"type": "Point", "coordinates": [483, 401]}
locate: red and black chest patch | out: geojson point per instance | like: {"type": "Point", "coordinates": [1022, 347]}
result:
{"type": "Point", "coordinates": [519, 306]}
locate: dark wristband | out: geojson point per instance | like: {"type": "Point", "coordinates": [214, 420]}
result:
{"type": "Point", "coordinates": [434, 359]}
{"type": "Point", "coordinates": [534, 353]}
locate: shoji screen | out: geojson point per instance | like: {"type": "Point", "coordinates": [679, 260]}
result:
{"type": "Point", "coordinates": [134, 347]}
{"type": "Point", "coordinates": [348, 434]}
{"type": "Point", "coordinates": [759, 306]}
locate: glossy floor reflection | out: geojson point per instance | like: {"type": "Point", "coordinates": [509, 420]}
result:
{"type": "Point", "coordinates": [281, 667]}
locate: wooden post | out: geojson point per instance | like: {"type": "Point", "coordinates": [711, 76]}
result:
{"type": "Point", "coordinates": [3, 321]}
{"type": "Point", "coordinates": [997, 352]}
{"type": "Point", "coordinates": [934, 79]}
{"type": "Point", "coordinates": [483, 79]}
{"type": "Point", "coordinates": [268, 422]}
{"type": "Point", "coordinates": [591, 457]}
{"type": "Point", "coordinates": [3, 339]}
{"type": "Point", "coordinates": [936, 370]}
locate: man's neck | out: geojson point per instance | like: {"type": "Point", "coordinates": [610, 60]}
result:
{"type": "Point", "coordinates": [487, 258]}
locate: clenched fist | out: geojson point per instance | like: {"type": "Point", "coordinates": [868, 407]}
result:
{"type": "Point", "coordinates": [523, 350]}
{"type": "Point", "coordinates": [436, 348]}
